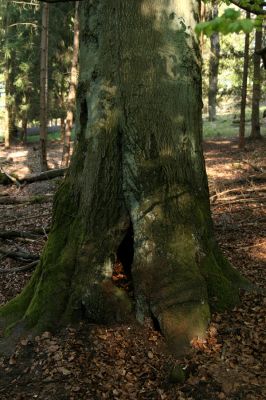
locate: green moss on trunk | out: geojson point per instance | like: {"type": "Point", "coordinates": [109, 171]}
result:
{"type": "Point", "coordinates": [138, 162]}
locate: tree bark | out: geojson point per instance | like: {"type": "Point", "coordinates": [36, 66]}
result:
{"type": "Point", "coordinates": [62, 128]}
{"type": "Point", "coordinates": [72, 91]}
{"type": "Point", "coordinates": [255, 116]}
{"type": "Point", "coordinates": [23, 136]}
{"type": "Point", "coordinates": [213, 66]}
{"type": "Point", "coordinates": [136, 190]}
{"type": "Point", "coordinates": [241, 137]}
{"type": "Point", "coordinates": [44, 87]}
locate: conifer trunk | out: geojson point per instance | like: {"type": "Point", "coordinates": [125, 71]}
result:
{"type": "Point", "coordinates": [72, 91]}
{"type": "Point", "coordinates": [44, 87]}
{"type": "Point", "coordinates": [213, 66]}
{"type": "Point", "coordinates": [137, 173]}
{"type": "Point", "coordinates": [241, 137]}
{"type": "Point", "coordinates": [256, 95]}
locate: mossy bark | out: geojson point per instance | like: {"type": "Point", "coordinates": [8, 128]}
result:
{"type": "Point", "coordinates": [138, 162]}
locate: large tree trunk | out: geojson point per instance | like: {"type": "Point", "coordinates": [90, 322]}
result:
{"type": "Point", "coordinates": [241, 137]}
{"type": "Point", "coordinates": [255, 116]}
{"type": "Point", "coordinates": [213, 66]}
{"type": "Point", "coordinates": [72, 91]}
{"type": "Point", "coordinates": [44, 87]}
{"type": "Point", "coordinates": [137, 186]}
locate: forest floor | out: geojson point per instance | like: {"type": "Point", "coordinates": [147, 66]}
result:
{"type": "Point", "coordinates": [131, 362]}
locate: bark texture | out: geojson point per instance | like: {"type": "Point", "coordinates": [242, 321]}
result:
{"type": "Point", "coordinates": [72, 91]}
{"type": "Point", "coordinates": [241, 137]}
{"type": "Point", "coordinates": [137, 167]}
{"type": "Point", "coordinates": [44, 87]}
{"type": "Point", "coordinates": [256, 95]}
{"type": "Point", "coordinates": [213, 66]}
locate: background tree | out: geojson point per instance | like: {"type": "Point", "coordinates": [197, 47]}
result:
{"type": "Point", "coordinates": [136, 190]}
{"type": "Point", "coordinates": [20, 52]}
{"type": "Point", "coordinates": [72, 91]}
{"type": "Point", "coordinates": [256, 95]}
{"type": "Point", "coordinates": [244, 91]}
{"type": "Point", "coordinates": [44, 86]}
{"type": "Point", "coordinates": [213, 65]}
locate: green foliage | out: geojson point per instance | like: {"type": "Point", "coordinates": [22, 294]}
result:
{"type": "Point", "coordinates": [229, 22]}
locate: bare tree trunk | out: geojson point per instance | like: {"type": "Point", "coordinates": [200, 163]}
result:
{"type": "Point", "coordinates": [72, 91]}
{"type": "Point", "coordinates": [7, 140]}
{"type": "Point", "coordinates": [44, 87]}
{"type": "Point", "coordinates": [202, 14]}
{"type": "Point", "coordinates": [24, 129]}
{"type": "Point", "coordinates": [255, 117]}
{"type": "Point", "coordinates": [62, 128]}
{"type": "Point", "coordinates": [241, 139]}
{"type": "Point", "coordinates": [213, 66]}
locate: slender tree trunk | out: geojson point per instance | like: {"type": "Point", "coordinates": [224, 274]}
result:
{"type": "Point", "coordinates": [7, 108]}
{"type": "Point", "coordinates": [24, 129]}
{"type": "Point", "coordinates": [203, 14]}
{"type": "Point", "coordinates": [72, 91]}
{"type": "Point", "coordinates": [62, 128]}
{"type": "Point", "coordinates": [241, 138]}
{"type": "Point", "coordinates": [255, 116]}
{"type": "Point", "coordinates": [136, 190]}
{"type": "Point", "coordinates": [6, 76]}
{"type": "Point", "coordinates": [44, 87]}
{"type": "Point", "coordinates": [6, 137]}
{"type": "Point", "coordinates": [213, 67]}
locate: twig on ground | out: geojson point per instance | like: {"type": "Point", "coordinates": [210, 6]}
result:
{"type": "Point", "coordinates": [237, 191]}
{"type": "Point", "coordinates": [26, 217]}
{"type": "Point", "coordinates": [19, 234]}
{"type": "Point", "coordinates": [257, 169]}
{"type": "Point", "coordinates": [253, 245]}
{"type": "Point", "coordinates": [235, 201]}
{"type": "Point", "coordinates": [26, 267]}
{"type": "Point", "coordinates": [26, 199]}
{"type": "Point", "coordinates": [21, 255]}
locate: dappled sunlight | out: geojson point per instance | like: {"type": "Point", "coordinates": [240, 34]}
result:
{"type": "Point", "coordinates": [171, 8]}
{"type": "Point", "coordinates": [17, 161]}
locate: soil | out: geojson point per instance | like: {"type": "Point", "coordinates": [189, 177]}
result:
{"type": "Point", "coordinates": [131, 361]}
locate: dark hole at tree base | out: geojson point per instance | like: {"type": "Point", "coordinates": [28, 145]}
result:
{"type": "Point", "coordinates": [124, 258]}
{"type": "Point", "coordinates": [122, 276]}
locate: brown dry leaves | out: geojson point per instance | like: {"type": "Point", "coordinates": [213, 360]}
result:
{"type": "Point", "coordinates": [131, 362]}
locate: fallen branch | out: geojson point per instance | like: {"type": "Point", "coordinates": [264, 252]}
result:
{"type": "Point", "coordinates": [43, 176]}
{"type": "Point", "coordinates": [237, 191]}
{"type": "Point", "coordinates": [6, 179]}
{"type": "Point", "coordinates": [20, 234]}
{"type": "Point", "coordinates": [227, 203]}
{"type": "Point", "coordinates": [26, 199]}
{"type": "Point", "coordinates": [10, 221]}
{"type": "Point", "coordinates": [26, 267]}
{"type": "Point", "coordinates": [19, 255]}
{"type": "Point", "coordinates": [239, 197]}
{"type": "Point", "coordinates": [257, 169]}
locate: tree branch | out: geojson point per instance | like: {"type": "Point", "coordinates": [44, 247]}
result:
{"type": "Point", "coordinates": [250, 7]}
